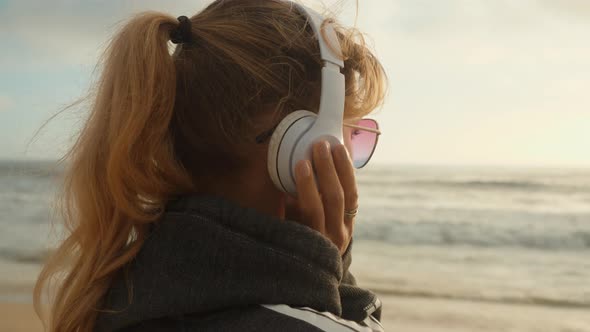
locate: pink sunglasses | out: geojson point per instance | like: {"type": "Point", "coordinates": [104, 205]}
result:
{"type": "Point", "coordinates": [363, 136]}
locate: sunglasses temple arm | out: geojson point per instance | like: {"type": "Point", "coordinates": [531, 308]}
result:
{"type": "Point", "coordinates": [375, 131]}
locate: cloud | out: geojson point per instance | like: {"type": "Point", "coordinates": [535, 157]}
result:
{"type": "Point", "coordinates": [74, 33]}
{"type": "Point", "coordinates": [69, 33]}
{"type": "Point", "coordinates": [6, 103]}
{"type": "Point", "coordinates": [575, 8]}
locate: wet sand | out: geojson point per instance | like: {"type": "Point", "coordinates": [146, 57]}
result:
{"type": "Point", "coordinates": [430, 315]}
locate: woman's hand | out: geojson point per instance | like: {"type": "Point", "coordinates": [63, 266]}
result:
{"type": "Point", "coordinates": [321, 206]}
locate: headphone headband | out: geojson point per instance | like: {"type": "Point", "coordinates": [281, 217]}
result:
{"type": "Point", "coordinates": [293, 139]}
{"type": "Point", "coordinates": [328, 40]}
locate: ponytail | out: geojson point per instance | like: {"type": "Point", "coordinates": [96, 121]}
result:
{"type": "Point", "coordinates": [114, 182]}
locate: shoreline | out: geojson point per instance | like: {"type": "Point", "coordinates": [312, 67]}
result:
{"type": "Point", "coordinates": [532, 301]}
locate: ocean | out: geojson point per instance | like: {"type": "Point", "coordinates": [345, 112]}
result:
{"type": "Point", "coordinates": [500, 235]}
{"type": "Point", "coordinates": [505, 235]}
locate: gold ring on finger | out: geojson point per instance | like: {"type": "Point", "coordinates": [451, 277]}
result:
{"type": "Point", "coordinates": [350, 213]}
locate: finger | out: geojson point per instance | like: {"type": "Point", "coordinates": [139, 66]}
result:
{"type": "Point", "coordinates": [347, 178]}
{"type": "Point", "coordinates": [329, 188]}
{"type": "Point", "coordinates": [310, 203]}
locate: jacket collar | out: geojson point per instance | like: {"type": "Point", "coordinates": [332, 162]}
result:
{"type": "Point", "coordinates": [207, 254]}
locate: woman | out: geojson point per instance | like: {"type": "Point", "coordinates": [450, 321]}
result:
{"type": "Point", "coordinates": [173, 221]}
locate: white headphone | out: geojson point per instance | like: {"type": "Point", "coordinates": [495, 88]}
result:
{"type": "Point", "coordinates": [293, 138]}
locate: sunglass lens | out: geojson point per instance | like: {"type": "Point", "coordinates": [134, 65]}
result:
{"type": "Point", "coordinates": [363, 142]}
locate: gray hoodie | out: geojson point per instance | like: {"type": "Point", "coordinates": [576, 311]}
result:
{"type": "Point", "coordinates": [210, 265]}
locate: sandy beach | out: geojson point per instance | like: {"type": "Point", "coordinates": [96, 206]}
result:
{"type": "Point", "coordinates": [19, 317]}
{"type": "Point", "coordinates": [410, 315]}
{"type": "Point", "coordinates": [430, 315]}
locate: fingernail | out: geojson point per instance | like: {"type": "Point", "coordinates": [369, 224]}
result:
{"type": "Point", "coordinates": [304, 169]}
{"type": "Point", "coordinates": [325, 149]}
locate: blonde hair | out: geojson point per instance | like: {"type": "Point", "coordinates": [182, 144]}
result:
{"type": "Point", "coordinates": [158, 120]}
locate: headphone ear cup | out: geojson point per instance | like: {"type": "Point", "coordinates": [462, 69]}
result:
{"type": "Point", "coordinates": [282, 145]}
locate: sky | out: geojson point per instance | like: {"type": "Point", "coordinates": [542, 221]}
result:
{"type": "Point", "coordinates": [472, 82]}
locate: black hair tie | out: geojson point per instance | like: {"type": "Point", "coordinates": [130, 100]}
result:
{"type": "Point", "coordinates": [182, 33]}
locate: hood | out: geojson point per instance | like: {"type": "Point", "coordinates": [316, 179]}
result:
{"type": "Point", "coordinates": [206, 254]}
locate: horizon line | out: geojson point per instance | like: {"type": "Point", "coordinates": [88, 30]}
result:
{"type": "Point", "coordinates": [386, 164]}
